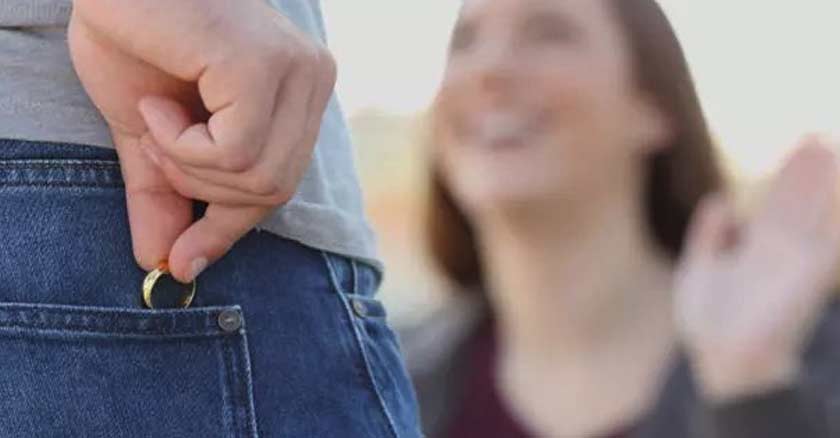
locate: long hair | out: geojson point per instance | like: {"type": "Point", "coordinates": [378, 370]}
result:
{"type": "Point", "coordinates": [677, 177]}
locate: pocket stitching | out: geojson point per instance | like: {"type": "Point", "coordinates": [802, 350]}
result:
{"type": "Point", "coordinates": [241, 385]}
{"type": "Point", "coordinates": [158, 323]}
{"type": "Point", "coordinates": [40, 163]}
{"type": "Point", "coordinates": [248, 384]}
{"type": "Point", "coordinates": [36, 172]}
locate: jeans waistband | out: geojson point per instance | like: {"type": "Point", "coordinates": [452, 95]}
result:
{"type": "Point", "coordinates": [12, 149]}
{"type": "Point", "coordinates": [36, 163]}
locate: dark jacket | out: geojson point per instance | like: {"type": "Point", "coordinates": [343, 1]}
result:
{"type": "Point", "coordinates": [436, 355]}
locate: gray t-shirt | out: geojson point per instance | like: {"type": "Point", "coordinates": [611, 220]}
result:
{"type": "Point", "coordinates": [42, 99]}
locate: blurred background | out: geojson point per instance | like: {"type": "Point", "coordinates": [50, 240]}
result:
{"type": "Point", "coordinates": [767, 72]}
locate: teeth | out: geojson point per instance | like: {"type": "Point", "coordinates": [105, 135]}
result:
{"type": "Point", "coordinates": [498, 127]}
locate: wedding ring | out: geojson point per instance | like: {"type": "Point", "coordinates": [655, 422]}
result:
{"type": "Point", "coordinates": [161, 275]}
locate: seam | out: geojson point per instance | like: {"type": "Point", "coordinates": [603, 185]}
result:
{"type": "Point", "coordinates": [225, 390]}
{"type": "Point", "coordinates": [370, 378]}
{"type": "Point", "coordinates": [355, 274]}
{"type": "Point", "coordinates": [107, 335]}
{"type": "Point", "coordinates": [99, 310]}
{"type": "Point", "coordinates": [248, 385]}
{"type": "Point", "coordinates": [108, 322]}
{"type": "Point", "coordinates": [70, 327]}
{"type": "Point", "coordinates": [20, 173]}
{"type": "Point", "coordinates": [7, 184]}
{"type": "Point", "coordinates": [233, 407]}
{"type": "Point", "coordinates": [59, 163]}
{"type": "Point", "coordinates": [158, 330]}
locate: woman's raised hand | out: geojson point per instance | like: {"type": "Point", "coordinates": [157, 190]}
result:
{"type": "Point", "coordinates": [749, 295]}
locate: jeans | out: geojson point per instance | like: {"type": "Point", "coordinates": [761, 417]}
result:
{"type": "Point", "coordinates": [281, 340]}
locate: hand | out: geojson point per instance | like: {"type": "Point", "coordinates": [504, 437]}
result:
{"type": "Point", "coordinates": [748, 299]}
{"type": "Point", "coordinates": [213, 100]}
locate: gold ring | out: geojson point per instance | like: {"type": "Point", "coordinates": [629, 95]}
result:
{"type": "Point", "coordinates": [152, 278]}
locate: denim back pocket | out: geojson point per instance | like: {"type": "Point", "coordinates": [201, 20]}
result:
{"type": "Point", "coordinates": [83, 371]}
{"type": "Point", "coordinates": [79, 355]}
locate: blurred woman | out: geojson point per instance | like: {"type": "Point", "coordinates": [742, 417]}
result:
{"type": "Point", "coordinates": [570, 156]}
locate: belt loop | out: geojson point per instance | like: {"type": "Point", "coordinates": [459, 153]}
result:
{"type": "Point", "coordinates": [355, 274]}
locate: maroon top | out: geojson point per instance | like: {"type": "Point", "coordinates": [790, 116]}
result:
{"type": "Point", "coordinates": [482, 412]}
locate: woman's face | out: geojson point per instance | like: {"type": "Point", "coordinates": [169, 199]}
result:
{"type": "Point", "coordinates": [539, 102]}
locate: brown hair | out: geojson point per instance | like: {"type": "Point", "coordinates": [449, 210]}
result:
{"type": "Point", "coordinates": [677, 177]}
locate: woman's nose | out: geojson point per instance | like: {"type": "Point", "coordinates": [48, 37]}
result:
{"type": "Point", "coordinates": [496, 67]}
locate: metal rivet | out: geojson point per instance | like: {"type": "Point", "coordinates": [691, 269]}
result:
{"type": "Point", "coordinates": [230, 320]}
{"type": "Point", "coordinates": [360, 308]}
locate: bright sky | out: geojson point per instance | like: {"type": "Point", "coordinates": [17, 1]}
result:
{"type": "Point", "coordinates": [768, 71]}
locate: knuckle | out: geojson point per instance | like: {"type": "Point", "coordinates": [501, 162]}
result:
{"type": "Point", "coordinates": [293, 51]}
{"type": "Point", "coordinates": [303, 53]}
{"type": "Point", "coordinates": [239, 159]}
{"type": "Point", "coordinates": [304, 48]}
{"type": "Point", "coordinates": [299, 52]}
{"type": "Point", "coordinates": [176, 179]}
{"type": "Point", "coordinates": [185, 187]}
{"type": "Point", "coordinates": [264, 184]}
{"type": "Point", "coordinates": [328, 64]}
{"type": "Point", "coordinates": [311, 54]}
{"type": "Point", "coordinates": [279, 55]}
{"type": "Point", "coordinates": [280, 197]}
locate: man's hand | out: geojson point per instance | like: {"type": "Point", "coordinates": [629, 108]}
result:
{"type": "Point", "coordinates": [215, 100]}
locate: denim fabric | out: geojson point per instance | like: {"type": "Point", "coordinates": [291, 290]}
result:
{"type": "Point", "coordinates": [281, 340]}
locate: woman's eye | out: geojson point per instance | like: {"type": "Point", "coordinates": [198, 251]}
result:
{"type": "Point", "coordinates": [548, 31]}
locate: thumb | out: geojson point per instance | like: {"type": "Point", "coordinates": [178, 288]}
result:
{"type": "Point", "coordinates": [157, 214]}
{"type": "Point", "coordinates": [712, 229]}
{"type": "Point", "coordinates": [210, 238]}
{"type": "Point", "coordinates": [166, 118]}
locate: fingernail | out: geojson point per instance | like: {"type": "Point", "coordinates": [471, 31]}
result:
{"type": "Point", "coordinates": [198, 265]}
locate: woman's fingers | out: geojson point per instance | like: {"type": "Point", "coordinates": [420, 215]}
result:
{"type": "Point", "coordinates": [796, 229]}
{"type": "Point", "coordinates": [745, 318]}
{"type": "Point", "coordinates": [802, 196]}
{"type": "Point", "coordinates": [793, 239]}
